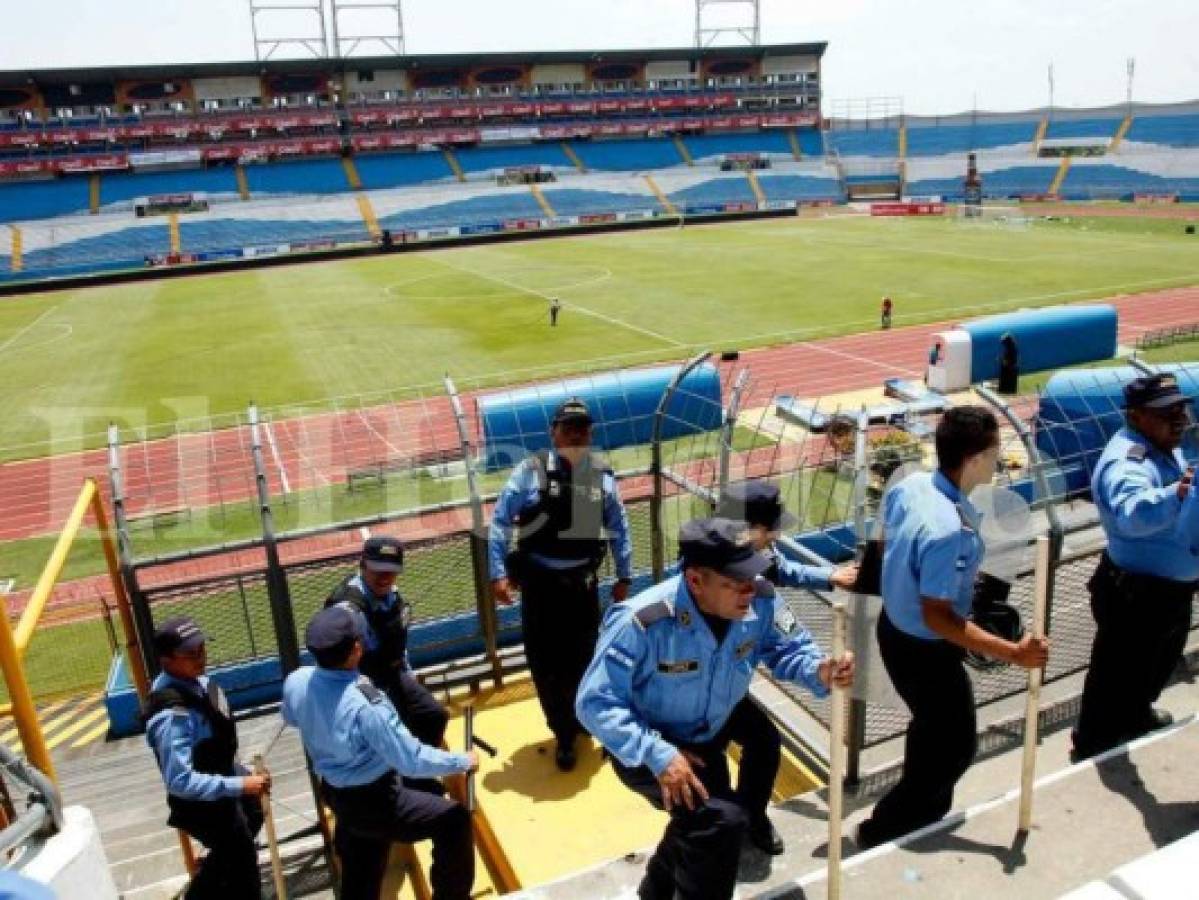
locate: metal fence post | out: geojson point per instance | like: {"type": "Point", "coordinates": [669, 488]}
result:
{"type": "Point", "coordinates": [276, 578]}
{"type": "Point", "coordinates": [488, 620]}
{"type": "Point", "coordinates": [657, 542]}
{"type": "Point", "coordinates": [143, 620]}
{"type": "Point", "coordinates": [729, 430]}
{"type": "Point", "coordinates": [855, 729]}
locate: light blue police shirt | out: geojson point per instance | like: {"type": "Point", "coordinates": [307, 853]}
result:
{"type": "Point", "coordinates": [173, 732]}
{"type": "Point", "coordinates": [1149, 530]}
{"type": "Point", "coordinates": [933, 549]}
{"type": "Point", "coordinates": [658, 678]}
{"type": "Point", "coordinates": [521, 492]}
{"type": "Point", "coordinates": [354, 739]}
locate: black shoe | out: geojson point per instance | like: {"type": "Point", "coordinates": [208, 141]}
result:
{"type": "Point", "coordinates": [763, 835]}
{"type": "Point", "coordinates": [864, 838]}
{"type": "Point", "coordinates": [648, 890]}
{"type": "Point", "coordinates": [564, 755]}
{"type": "Point", "coordinates": [1157, 718]}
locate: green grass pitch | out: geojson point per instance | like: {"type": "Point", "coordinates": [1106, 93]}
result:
{"type": "Point", "coordinates": [72, 360]}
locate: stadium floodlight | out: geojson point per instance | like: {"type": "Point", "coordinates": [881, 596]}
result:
{"type": "Point", "coordinates": [273, 33]}
{"type": "Point", "coordinates": [747, 27]}
{"type": "Point", "coordinates": [372, 25]}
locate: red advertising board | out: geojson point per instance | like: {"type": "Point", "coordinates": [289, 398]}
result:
{"type": "Point", "coordinates": [25, 167]}
{"type": "Point", "coordinates": [103, 163]}
{"type": "Point", "coordinates": [907, 209]}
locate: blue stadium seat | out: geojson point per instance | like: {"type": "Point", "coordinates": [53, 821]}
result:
{"type": "Point", "coordinates": [1172, 131]}
{"type": "Point", "coordinates": [117, 249]}
{"type": "Point", "coordinates": [633, 155]}
{"type": "Point", "coordinates": [123, 186]}
{"type": "Point", "coordinates": [706, 146]}
{"type": "Point", "coordinates": [574, 202]}
{"type": "Point", "coordinates": [482, 159]}
{"type": "Point", "coordinates": [229, 234]}
{"type": "Point", "coordinates": [492, 208]}
{"type": "Point", "coordinates": [42, 199]}
{"type": "Point", "coordinates": [1087, 182]}
{"type": "Point", "coordinates": [1084, 128]}
{"type": "Point", "coordinates": [865, 142]}
{"type": "Point", "coordinates": [938, 140]}
{"type": "Point", "coordinates": [716, 191]}
{"type": "Point", "coordinates": [304, 176]}
{"type": "Point", "coordinates": [799, 187]}
{"type": "Point", "coordinates": [389, 170]}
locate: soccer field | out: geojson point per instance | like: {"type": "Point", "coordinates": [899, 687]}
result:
{"type": "Point", "coordinates": [73, 360]}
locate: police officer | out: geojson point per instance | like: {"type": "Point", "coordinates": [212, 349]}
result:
{"type": "Point", "coordinates": [1143, 588]}
{"type": "Point", "coordinates": [191, 731]}
{"type": "Point", "coordinates": [666, 693]}
{"type": "Point", "coordinates": [560, 502]}
{"type": "Point", "coordinates": [555, 308]}
{"type": "Point", "coordinates": [760, 505]}
{"type": "Point", "coordinates": [931, 557]}
{"type": "Point", "coordinates": [386, 617]}
{"type": "Point", "coordinates": [360, 748]}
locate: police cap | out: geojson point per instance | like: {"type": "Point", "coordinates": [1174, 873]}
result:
{"type": "Point", "coordinates": [383, 554]}
{"type": "Point", "coordinates": [756, 502]}
{"type": "Point", "coordinates": [179, 633]}
{"type": "Point", "coordinates": [1153, 392]}
{"type": "Point", "coordinates": [572, 412]}
{"type": "Point", "coordinates": [723, 545]}
{"type": "Point", "coordinates": [330, 629]}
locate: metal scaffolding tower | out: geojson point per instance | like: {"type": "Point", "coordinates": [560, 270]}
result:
{"type": "Point", "coordinates": [367, 26]}
{"type": "Point", "coordinates": [747, 26]}
{"type": "Point", "coordinates": [294, 24]}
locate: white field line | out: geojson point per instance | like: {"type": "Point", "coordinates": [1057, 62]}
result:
{"type": "Point", "coordinates": [12, 340]}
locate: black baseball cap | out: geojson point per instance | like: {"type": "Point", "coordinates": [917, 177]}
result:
{"type": "Point", "coordinates": [383, 554]}
{"type": "Point", "coordinates": [179, 633]}
{"type": "Point", "coordinates": [756, 502]}
{"type": "Point", "coordinates": [572, 412]}
{"type": "Point", "coordinates": [723, 545]}
{"type": "Point", "coordinates": [332, 628]}
{"type": "Point", "coordinates": [1153, 392]}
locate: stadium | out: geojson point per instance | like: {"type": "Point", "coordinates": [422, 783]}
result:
{"type": "Point", "coordinates": [254, 312]}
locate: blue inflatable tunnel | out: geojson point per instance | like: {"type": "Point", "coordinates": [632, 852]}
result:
{"type": "Point", "coordinates": [1045, 338]}
{"type": "Point", "coordinates": [1081, 409]}
{"type": "Point", "coordinates": [516, 424]}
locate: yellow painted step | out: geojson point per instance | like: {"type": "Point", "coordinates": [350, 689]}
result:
{"type": "Point", "coordinates": [755, 186]}
{"type": "Point", "coordinates": [16, 261]}
{"type": "Point", "coordinates": [796, 149]}
{"type": "Point", "coordinates": [452, 161]}
{"type": "Point", "coordinates": [1042, 127]}
{"type": "Point", "coordinates": [1060, 176]}
{"type": "Point", "coordinates": [684, 153]}
{"type": "Point", "coordinates": [662, 198]}
{"type": "Point", "coordinates": [173, 227]}
{"type": "Point", "coordinates": [1118, 137]}
{"type": "Point", "coordinates": [94, 193]}
{"type": "Point", "coordinates": [351, 170]}
{"type": "Point", "coordinates": [539, 196]}
{"type": "Point", "coordinates": [367, 210]}
{"type": "Point", "coordinates": [573, 157]}
{"type": "Point", "coordinates": [243, 184]}
{"type": "Point", "coordinates": [903, 141]}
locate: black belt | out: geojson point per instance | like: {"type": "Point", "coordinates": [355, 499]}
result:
{"type": "Point", "coordinates": [1124, 579]}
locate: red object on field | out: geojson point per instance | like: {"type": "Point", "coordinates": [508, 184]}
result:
{"type": "Point", "coordinates": [907, 209]}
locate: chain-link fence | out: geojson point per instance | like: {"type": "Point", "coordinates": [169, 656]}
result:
{"type": "Point", "coordinates": [427, 467]}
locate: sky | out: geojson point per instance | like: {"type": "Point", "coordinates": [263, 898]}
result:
{"type": "Point", "coordinates": [938, 56]}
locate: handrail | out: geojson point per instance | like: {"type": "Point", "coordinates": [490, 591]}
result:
{"type": "Point", "coordinates": [45, 803]}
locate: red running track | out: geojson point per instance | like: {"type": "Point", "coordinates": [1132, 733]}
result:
{"type": "Point", "coordinates": [204, 469]}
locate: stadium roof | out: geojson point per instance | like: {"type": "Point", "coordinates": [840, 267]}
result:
{"type": "Point", "coordinates": [423, 61]}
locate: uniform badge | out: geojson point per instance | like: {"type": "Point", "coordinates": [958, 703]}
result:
{"type": "Point", "coordinates": [784, 619]}
{"type": "Point", "coordinates": [744, 649]}
{"type": "Point", "coordinates": [684, 617]}
{"type": "Point", "coordinates": [555, 489]}
{"type": "Point", "coordinates": [405, 614]}
{"type": "Point", "coordinates": [681, 667]}
{"type": "Point", "coordinates": [596, 495]}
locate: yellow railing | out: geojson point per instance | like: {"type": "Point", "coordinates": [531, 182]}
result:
{"type": "Point", "coordinates": [15, 642]}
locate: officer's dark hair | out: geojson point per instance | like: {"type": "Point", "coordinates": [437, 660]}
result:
{"type": "Point", "coordinates": [964, 431]}
{"type": "Point", "coordinates": [334, 657]}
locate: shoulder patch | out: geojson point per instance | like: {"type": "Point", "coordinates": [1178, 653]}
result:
{"type": "Point", "coordinates": [1136, 452]}
{"type": "Point", "coordinates": [655, 612]}
{"type": "Point", "coordinates": [368, 689]}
